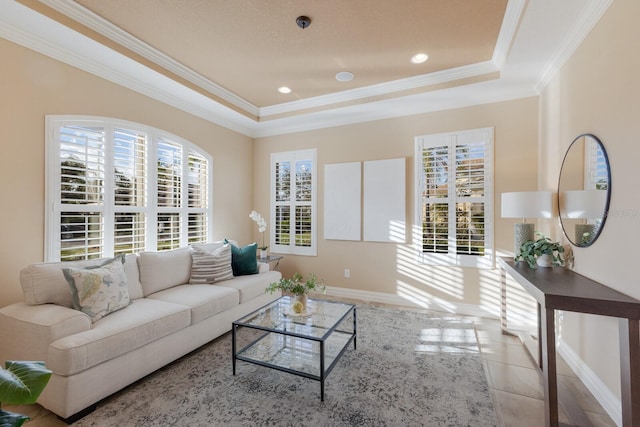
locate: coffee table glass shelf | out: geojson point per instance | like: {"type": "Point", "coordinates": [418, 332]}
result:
{"type": "Point", "coordinates": [308, 344]}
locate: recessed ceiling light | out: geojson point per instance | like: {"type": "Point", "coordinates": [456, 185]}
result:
{"type": "Point", "coordinates": [419, 58]}
{"type": "Point", "coordinates": [344, 76]}
{"type": "Point", "coordinates": [284, 89]}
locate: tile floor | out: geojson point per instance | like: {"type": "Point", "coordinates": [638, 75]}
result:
{"type": "Point", "coordinates": [515, 384]}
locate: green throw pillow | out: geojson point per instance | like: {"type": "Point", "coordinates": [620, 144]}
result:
{"type": "Point", "coordinates": [243, 260]}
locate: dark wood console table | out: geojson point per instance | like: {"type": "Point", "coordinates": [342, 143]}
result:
{"type": "Point", "coordinates": [564, 289]}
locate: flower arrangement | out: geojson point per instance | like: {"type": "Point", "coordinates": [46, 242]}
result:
{"type": "Point", "coordinates": [262, 226]}
{"type": "Point", "coordinates": [296, 285]}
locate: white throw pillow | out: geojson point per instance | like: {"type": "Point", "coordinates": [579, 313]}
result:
{"type": "Point", "coordinates": [211, 267]}
{"type": "Point", "coordinates": [100, 290]}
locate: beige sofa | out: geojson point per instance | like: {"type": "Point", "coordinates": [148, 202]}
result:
{"type": "Point", "coordinates": [166, 319]}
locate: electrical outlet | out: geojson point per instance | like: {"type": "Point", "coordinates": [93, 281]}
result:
{"type": "Point", "coordinates": [347, 273]}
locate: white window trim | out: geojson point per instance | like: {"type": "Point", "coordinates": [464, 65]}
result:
{"type": "Point", "coordinates": [451, 258]}
{"type": "Point", "coordinates": [53, 206]}
{"type": "Point", "coordinates": [292, 249]}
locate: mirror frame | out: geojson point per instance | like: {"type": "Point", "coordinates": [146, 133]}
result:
{"type": "Point", "coordinates": [605, 211]}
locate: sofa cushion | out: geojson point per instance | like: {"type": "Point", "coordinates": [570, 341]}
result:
{"type": "Point", "coordinates": [44, 282]}
{"type": "Point", "coordinates": [253, 285]}
{"type": "Point", "coordinates": [133, 276]}
{"type": "Point", "coordinates": [204, 300]}
{"type": "Point", "coordinates": [210, 267]}
{"type": "Point", "coordinates": [143, 321]}
{"type": "Point", "coordinates": [99, 291]}
{"type": "Point", "coordinates": [162, 270]}
{"type": "Point", "coordinates": [243, 260]}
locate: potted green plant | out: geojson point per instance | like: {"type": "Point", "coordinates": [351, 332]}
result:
{"type": "Point", "coordinates": [541, 252]}
{"type": "Point", "coordinates": [298, 287]}
{"type": "Point", "coordinates": [20, 384]}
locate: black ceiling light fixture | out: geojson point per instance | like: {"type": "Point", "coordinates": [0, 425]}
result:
{"type": "Point", "coordinates": [303, 21]}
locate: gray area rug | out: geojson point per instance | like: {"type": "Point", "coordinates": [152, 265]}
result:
{"type": "Point", "coordinates": [409, 369]}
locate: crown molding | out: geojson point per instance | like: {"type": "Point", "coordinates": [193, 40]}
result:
{"type": "Point", "coordinates": [576, 35]}
{"type": "Point", "coordinates": [30, 29]}
{"type": "Point", "coordinates": [409, 83]}
{"type": "Point", "coordinates": [519, 36]}
{"type": "Point", "coordinates": [96, 23]}
{"type": "Point", "coordinates": [93, 21]}
{"type": "Point", "coordinates": [441, 100]}
{"type": "Point", "coordinates": [508, 30]}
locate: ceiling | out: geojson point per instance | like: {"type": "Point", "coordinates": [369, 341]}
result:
{"type": "Point", "coordinates": [224, 60]}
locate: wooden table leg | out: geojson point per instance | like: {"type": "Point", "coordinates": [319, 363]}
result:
{"type": "Point", "coordinates": [548, 347]}
{"type": "Point", "coordinates": [630, 371]}
{"type": "Point", "coordinates": [540, 336]}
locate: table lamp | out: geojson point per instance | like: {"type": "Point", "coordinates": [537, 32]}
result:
{"type": "Point", "coordinates": [525, 204]}
{"type": "Point", "coordinates": [585, 204]}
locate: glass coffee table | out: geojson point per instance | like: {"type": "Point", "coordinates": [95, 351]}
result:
{"type": "Point", "coordinates": [308, 344]}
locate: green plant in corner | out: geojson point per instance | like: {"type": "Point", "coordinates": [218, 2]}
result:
{"type": "Point", "coordinates": [20, 384]}
{"type": "Point", "coordinates": [531, 250]}
{"type": "Point", "coordinates": [297, 285]}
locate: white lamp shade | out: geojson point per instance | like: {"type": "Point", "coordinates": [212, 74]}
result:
{"type": "Point", "coordinates": [527, 204]}
{"type": "Point", "coordinates": [583, 203]}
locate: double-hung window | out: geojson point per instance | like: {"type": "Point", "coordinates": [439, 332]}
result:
{"type": "Point", "coordinates": [454, 198]}
{"type": "Point", "coordinates": [293, 202]}
{"type": "Point", "coordinates": [116, 187]}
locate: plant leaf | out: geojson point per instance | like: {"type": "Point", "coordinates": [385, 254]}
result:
{"type": "Point", "coordinates": [11, 419]}
{"type": "Point", "coordinates": [22, 382]}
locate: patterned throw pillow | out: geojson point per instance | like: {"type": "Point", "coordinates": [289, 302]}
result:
{"type": "Point", "coordinates": [208, 268]}
{"type": "Point", "coordinates": [99, 290]}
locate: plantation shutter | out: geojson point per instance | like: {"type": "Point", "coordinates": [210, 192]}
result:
{"type": "Point", "coordinates": [455, 198]}
{"type": "Point", "coordinates": [293, 209]}
{"type": "Point", "coordinates": [130, 190]}
{"type": "Point", "coordinates": [169, 194]}
{"type": "Point", "coordinates": [198, 197]}
{"type": "Point", "coordinates": [116, 187]}
{"type": "Point", "coordinates": [596, 170]}
{"type": "Point", "coordinates": [80, 210]}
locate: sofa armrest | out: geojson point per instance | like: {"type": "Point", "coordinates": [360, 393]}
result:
{"type": "Point", "coordinates": [263, 267]}
{"type": "Point", "coordinates": [27, 330]}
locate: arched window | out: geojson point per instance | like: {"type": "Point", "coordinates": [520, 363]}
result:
{"type": "Point", "coordinates": [117, 187]}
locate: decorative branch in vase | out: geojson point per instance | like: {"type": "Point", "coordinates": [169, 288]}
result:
{"type": "Point", "coordinates": [299, 288]}
{"type": "Point", "coordinates": [262, 227]}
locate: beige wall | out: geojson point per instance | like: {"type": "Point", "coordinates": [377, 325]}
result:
{"type": "Point", "coordinates": [598, 91]}
{"type": "Point", "coordinates": [32, 86]}
{"type": "Point", "coordinates": [390, 268]}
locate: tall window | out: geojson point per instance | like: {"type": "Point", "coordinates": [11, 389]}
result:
{"type": "Point", "coordinates": [117, 187]}
{"type": "Point", "coordinates": [454, 198]}
{"type": "Point", "coordinates": [293, 202]}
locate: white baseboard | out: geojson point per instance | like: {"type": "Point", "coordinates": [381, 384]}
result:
{"type": "Point", "coordinates": [385, 298]}
{"type": "Point", "coordinates": [609, 401]}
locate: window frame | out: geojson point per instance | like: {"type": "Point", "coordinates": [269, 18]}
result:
{"type": "Point", "coordinates": [309, 155]}
{"type": "Point", "coordinates": [450, 140]}
{"type": "Point", "coordinates": [53, 200]}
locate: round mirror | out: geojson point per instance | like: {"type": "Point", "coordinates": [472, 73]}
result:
{"type": "Point", "coordinates": [584, 190]}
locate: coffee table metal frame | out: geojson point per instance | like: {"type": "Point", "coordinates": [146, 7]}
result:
{"type": "Point", "coordinates": [296, 338]}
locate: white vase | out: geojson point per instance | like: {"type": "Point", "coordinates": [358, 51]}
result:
{"type": "Point", "coordinates": [263, 253]}
{"type": "Point", "coordinates": [544, 260]}
{"type": "Point", "coordinates": [302, 299]}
